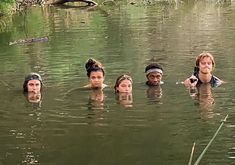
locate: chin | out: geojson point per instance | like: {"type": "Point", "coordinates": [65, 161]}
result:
{"type": "Point", "coordinates": [155, 84]}
{"type": "Point", "coordinates": [97, 86]}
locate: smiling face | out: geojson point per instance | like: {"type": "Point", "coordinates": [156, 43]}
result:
{"type": "Point", "coordinates": [205, 65]}
{"type": "Point", "coordinates": [154, 78]}
{"type": "Point", "coordinates": [96, 79]}
{"type": "Point", "coordinates": [34, 86]}
{"type": "Point", "coordinates": [125, 86]}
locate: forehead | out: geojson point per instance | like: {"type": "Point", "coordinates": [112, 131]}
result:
{"type": "Point", "coordinates": [33, 82]}
{"type": "Point", "coordinates": [205, 59]}
{"type": "Point", "coordinates": [96, 73]}
{"type": "Point", "coordinates": [154, 74]}
{"type": "Point", "coordinates": [125, 81]}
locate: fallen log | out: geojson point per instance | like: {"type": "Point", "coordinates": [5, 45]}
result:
{"type": "Point", "coordinates": [29, 40]}
{"type": "Point", "coordinates": [61, 2]}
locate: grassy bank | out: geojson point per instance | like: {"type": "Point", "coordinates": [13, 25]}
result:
{"type": "Point", "coordinates": [6, 6]}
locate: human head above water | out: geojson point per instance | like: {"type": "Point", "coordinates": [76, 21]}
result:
{"type": "Point", "coordinates": [123, 84]}
{"type": "Point", "coordinates": [32, 83]}
{"type": "Point", "coordinates": [95, 73]}
{"type": "Point", "coordinates": [93, 65]}
{"type": "Point", "coordinates": [154, 74]}
{"type": "Point", "coordinates": [204, 55]}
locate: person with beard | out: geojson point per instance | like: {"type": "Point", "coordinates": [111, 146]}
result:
{"type": "Point", "coordinates": [154, 73]}
{"type": "Point", "coordinates": [205, 64]}
{"type": "Point", "coordinates": [32, 87]}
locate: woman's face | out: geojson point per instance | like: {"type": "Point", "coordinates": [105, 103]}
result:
{"type": "Point", "coordinates": [205, 65]}
{"type": "Point", "coordinates": [34, 86]}
{"type": "Point", "coordinates": [125, 86]}
{"type": "Point", "coordinates": [96, 79]}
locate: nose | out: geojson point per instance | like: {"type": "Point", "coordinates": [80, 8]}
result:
{"type": "Point", "coordinates": [96, 79]}
{"type": "Point", "coordinates": [127, 89]}
{"type": "Point", "coordinates": [155, 79]}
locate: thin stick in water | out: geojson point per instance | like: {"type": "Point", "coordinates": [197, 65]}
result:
{"type": "Point", "coordinates": [216, 133]}
{"type": "Point", "coordinates": [191, 155]}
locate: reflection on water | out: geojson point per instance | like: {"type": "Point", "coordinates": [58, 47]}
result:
{"type": "Point", "coordinates": [203, 97]}
{"type": "Point", "coordinates": [154, 93]}
{"type": "Point", "coordinates": [34, 98]}
{"type": "Point", "coordinates": [96, 99]}
{"type": "Point", "coordinates": [125, 99]}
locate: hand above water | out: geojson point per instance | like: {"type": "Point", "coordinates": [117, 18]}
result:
{"type": "Point", "coordinates": [191, 82]}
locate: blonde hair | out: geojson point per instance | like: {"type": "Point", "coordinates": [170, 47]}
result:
{"type": "Point", "coordinates": [203, 55]}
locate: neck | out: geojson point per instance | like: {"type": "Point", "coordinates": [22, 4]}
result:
{"type": "Point", "coordinates": [205, 78]}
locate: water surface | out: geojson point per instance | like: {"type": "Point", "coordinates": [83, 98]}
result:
{"type": "Point", "coordinates": [72, 126]}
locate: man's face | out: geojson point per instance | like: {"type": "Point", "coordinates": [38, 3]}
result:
{"type": "Point", "coordinates": [205, 65]}
{"type": "Point", "coordinates": [154, 78]}
{"type": "Point", "coordinates": [34, 86]}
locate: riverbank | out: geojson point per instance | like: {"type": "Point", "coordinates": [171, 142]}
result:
{"type": "Point", "coordinates": [9, 6]}
{"type": "Point", "coordinates": [23, 4]}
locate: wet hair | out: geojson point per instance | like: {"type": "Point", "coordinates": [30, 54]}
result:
{"type": "Point", "coordinates": [152, 66]}
{"type": "Point", "coordinates": [31, 76]}
{"type": "Point", "coordinates": [203, 55]}
{"type": "Point", "coordinates": [120, 79]}
{"type": "Point", "coordinates": [93, 65]}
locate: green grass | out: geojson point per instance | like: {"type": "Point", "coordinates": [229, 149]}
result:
{"type": "Point", "coordinates": [6, 6]}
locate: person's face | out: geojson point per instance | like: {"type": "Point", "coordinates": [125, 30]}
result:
{"type": "Point", "coordinates": [125, 86]}
{"type": "Point", "coordinates": [154, 78]}
{"type": "Point", "coordinates": [96, 79]}
{"type": "Point", "coordinates": [34, 86]}
{"type": "Point", "coordinates": [205, 65]}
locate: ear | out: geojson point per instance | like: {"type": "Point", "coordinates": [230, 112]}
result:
{"type": "Point", "coordinates": [116, 90]}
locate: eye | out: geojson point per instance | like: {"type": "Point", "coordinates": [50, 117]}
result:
{"type": "Point", "coordinates": [155, 76]}
{"type": "Point", "coordinates": [123, 85]}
